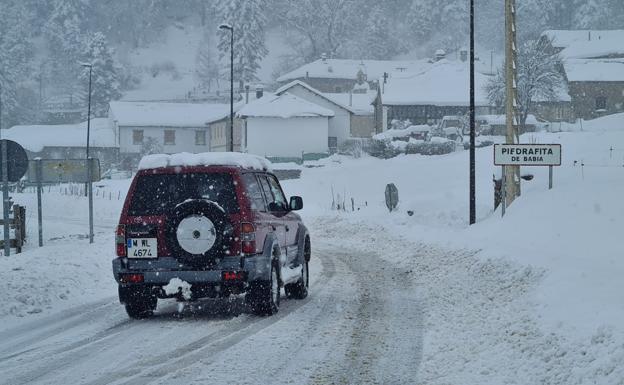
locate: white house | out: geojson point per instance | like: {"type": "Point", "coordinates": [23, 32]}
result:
{"type": "Point", "coordinates": [67, 141]}
{"type": "Point", "coordinates": [284, 126]}
{"type": "Point", "coordinates": [426, 97]}
{"type": "Point", "coordinates": [353, 112]}
{"type": "Point", "coordinates": [170, 127]}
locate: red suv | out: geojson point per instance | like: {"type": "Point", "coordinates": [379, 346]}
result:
{"type": "Point", "coordinates": [209, 225]}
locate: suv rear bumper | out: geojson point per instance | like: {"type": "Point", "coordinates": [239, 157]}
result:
{"type": "Point", "coordinates": [158, 272]}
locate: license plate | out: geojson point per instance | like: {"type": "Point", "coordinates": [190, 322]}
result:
{"type": "Point", "coordinates": [142, 247]}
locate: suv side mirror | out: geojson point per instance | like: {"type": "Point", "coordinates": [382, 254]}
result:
{"type": "Point", "coordinates": [296, 203]}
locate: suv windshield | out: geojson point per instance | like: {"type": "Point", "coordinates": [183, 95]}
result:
{"type": "Point", "coordinates": [155, 194]}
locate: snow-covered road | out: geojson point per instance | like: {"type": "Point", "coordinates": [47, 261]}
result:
{"type": "Point", "coordinates": [359, 325]}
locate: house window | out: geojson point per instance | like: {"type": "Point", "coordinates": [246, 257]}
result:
{"type": "Point", "coordinates": [200, 138]}
{"type": "Point", "coordinates": [137, 136]}
{"type": "Point", "coordinates": [601, 103]}
{"type": "Point", "coordinates": [169, 137]}
{"type": "Point", "coordinates": [332, 143]}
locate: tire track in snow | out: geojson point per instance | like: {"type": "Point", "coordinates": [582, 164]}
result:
{"type": "Point", "coordinates": [44, 366]}
{"type": "Point", "coordinates": [205, 349]}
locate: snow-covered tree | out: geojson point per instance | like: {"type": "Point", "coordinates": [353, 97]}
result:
{"type": "Point", "coordinates": [538, 79]}
{"type": "Point", "coordinates": [133, 22]}
{"type": "Point", "coordinates": [379, 41]}
{"type": "Point", "coordinates": [248, 20]}
{"type": "Point", "coordinates": [207, 63]}
{"type": "Point", "coordinates": [320, 26]}
{"type": "Point", "coordinates": [16, 54]}
{"type": "Point", "coordinates": [105, 81]}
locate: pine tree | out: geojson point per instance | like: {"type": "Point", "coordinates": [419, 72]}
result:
{"type": "Point", "coordinates": [379, 42]}
{"type": "Point", "coordinates": [64, 35]}
{"type": "Point", "coordinates": [248, 20]}
{"type": "Point", "coordinates": [592, 14]}
{"type": "Point", "coordinates": [16, 54]}
{"type": "Point", "coordinates": [105, 82]}
{"type": "Point", "coordinates": [207, 67]}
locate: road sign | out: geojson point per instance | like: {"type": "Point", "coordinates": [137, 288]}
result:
{"type": "Point", "coordinates": [392, 196]}
{"type": "Point", "coordinates": [64, 170]}
{"type": "Point", "coordinates": [527, 154]}
{"type": "Point", "coordinates": [17, 161]}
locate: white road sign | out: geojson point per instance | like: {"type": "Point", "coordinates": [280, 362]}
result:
{"type": "Point", "coordinates": [527, 154]}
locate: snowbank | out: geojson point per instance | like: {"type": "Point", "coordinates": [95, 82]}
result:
{"type": "Point", "coordinates": [205, 159]}
{"type": "Point", "coordinates": [572, 232]}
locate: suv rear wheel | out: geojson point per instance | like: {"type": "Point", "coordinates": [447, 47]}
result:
{"type": "Point", "coordinates": [140, 304]}
{"type": "Point", "coordinates": [264, 297]}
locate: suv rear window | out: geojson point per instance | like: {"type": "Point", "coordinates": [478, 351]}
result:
{"type": "Point", "coordinates": [156, 194]}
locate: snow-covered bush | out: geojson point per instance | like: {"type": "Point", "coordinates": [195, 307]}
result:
{"type": "Point", "coordinates": [354, 147]}
{"type": "Point", "coordinates": [437, 146]}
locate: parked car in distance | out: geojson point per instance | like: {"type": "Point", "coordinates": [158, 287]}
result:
{"type": "Point", "coordinates": [113, 173]}
{"type": "Point", "coordinates": [209, 225]}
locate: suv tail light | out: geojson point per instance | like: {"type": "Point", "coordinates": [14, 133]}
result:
{"type": "Point", "coordinates": [120, 240]}
{"type": "Point", "coordinates": [248, 238]}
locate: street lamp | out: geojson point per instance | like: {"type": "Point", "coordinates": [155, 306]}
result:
{"type": "Point", "coordinates": [473, 209]}
{"type": "Point", "coordinates": [231, 29]}
{"type": "Point", "coordinates": [89, 189]}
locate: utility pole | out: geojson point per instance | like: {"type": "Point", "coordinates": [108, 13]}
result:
{"type": "Point", "coordinates": [512, 173]}
{"type": "Point", "coordinates": [89, 185]}
{"type": "Point", "coordinates": [231, 29]}
{"type": "Point", "coordinates": [473, 209]}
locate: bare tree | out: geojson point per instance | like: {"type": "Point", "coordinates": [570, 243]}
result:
{"type": "Point", "coordinates": [539, 79]}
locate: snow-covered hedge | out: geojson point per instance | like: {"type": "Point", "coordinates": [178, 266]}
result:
{"type": "Point", "coordinates": [389, 149]}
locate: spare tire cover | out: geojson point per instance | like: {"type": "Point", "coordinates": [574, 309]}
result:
{"type": "Point", "coordinates": [198, 231]}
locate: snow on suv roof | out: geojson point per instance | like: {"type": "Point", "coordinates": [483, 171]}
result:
{"type": "Point", "coordinates": [205, 159]}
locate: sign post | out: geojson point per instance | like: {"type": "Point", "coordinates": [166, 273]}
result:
{"type": "Point", "coordinates": [14, 165]}
{"type": "Point", "coordinates": [39, 213]}
{"type": "Point", "coordinates": [506, 155]}
{"type": "Point", "coordinates": [64, 171]}
{"type": "Point", "coordinates": [5, 198]}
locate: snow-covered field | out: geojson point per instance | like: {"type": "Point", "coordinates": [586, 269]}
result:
{"type": "Point", "coordinates": [534, 297]}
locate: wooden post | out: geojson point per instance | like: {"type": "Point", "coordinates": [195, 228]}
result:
{"type": "Point", "coordinates": [512, 177]}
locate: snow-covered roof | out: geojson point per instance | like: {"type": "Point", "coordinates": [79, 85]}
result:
{"type": "Point", "coordinates": [282, 106]}
{"type": "Point", "coordinates": [35, 138]}
{"type": "Point", "coordinates": [359, 104]}
{"type": "Point", "coordinates": [348, 69]}
{"type": "Point", "coordinates": [594, 70]}
{"type": "Point", "coordinates": [444, 83]}
{"type": "Point", "coordinates": [587, 43]}
{"type": "Point", "coordinates": [205, 159]}
{"type": "Point", "coordinates": [162, 114]}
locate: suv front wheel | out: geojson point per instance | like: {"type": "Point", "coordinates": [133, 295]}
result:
{"type": "Point", "coordinates": [299, 289]}
{"type": "Point", "coordinates": [264, 297]}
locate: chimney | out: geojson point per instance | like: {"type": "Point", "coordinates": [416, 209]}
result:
{"type": "Point", "coordinates": [440, 54]}
{"type": "Point", "coordinates": [463, 55]}
{"type": "Point", "coordinates": [589, 35]}
{"type": "Point", "coordinates": [259, 91]}
{"type": "Point", "coordinates": [351, 99]}
{"type": "Point", "coordinates": [246, 93]}
{"type": "Point", "coordinates": [324, 57]}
